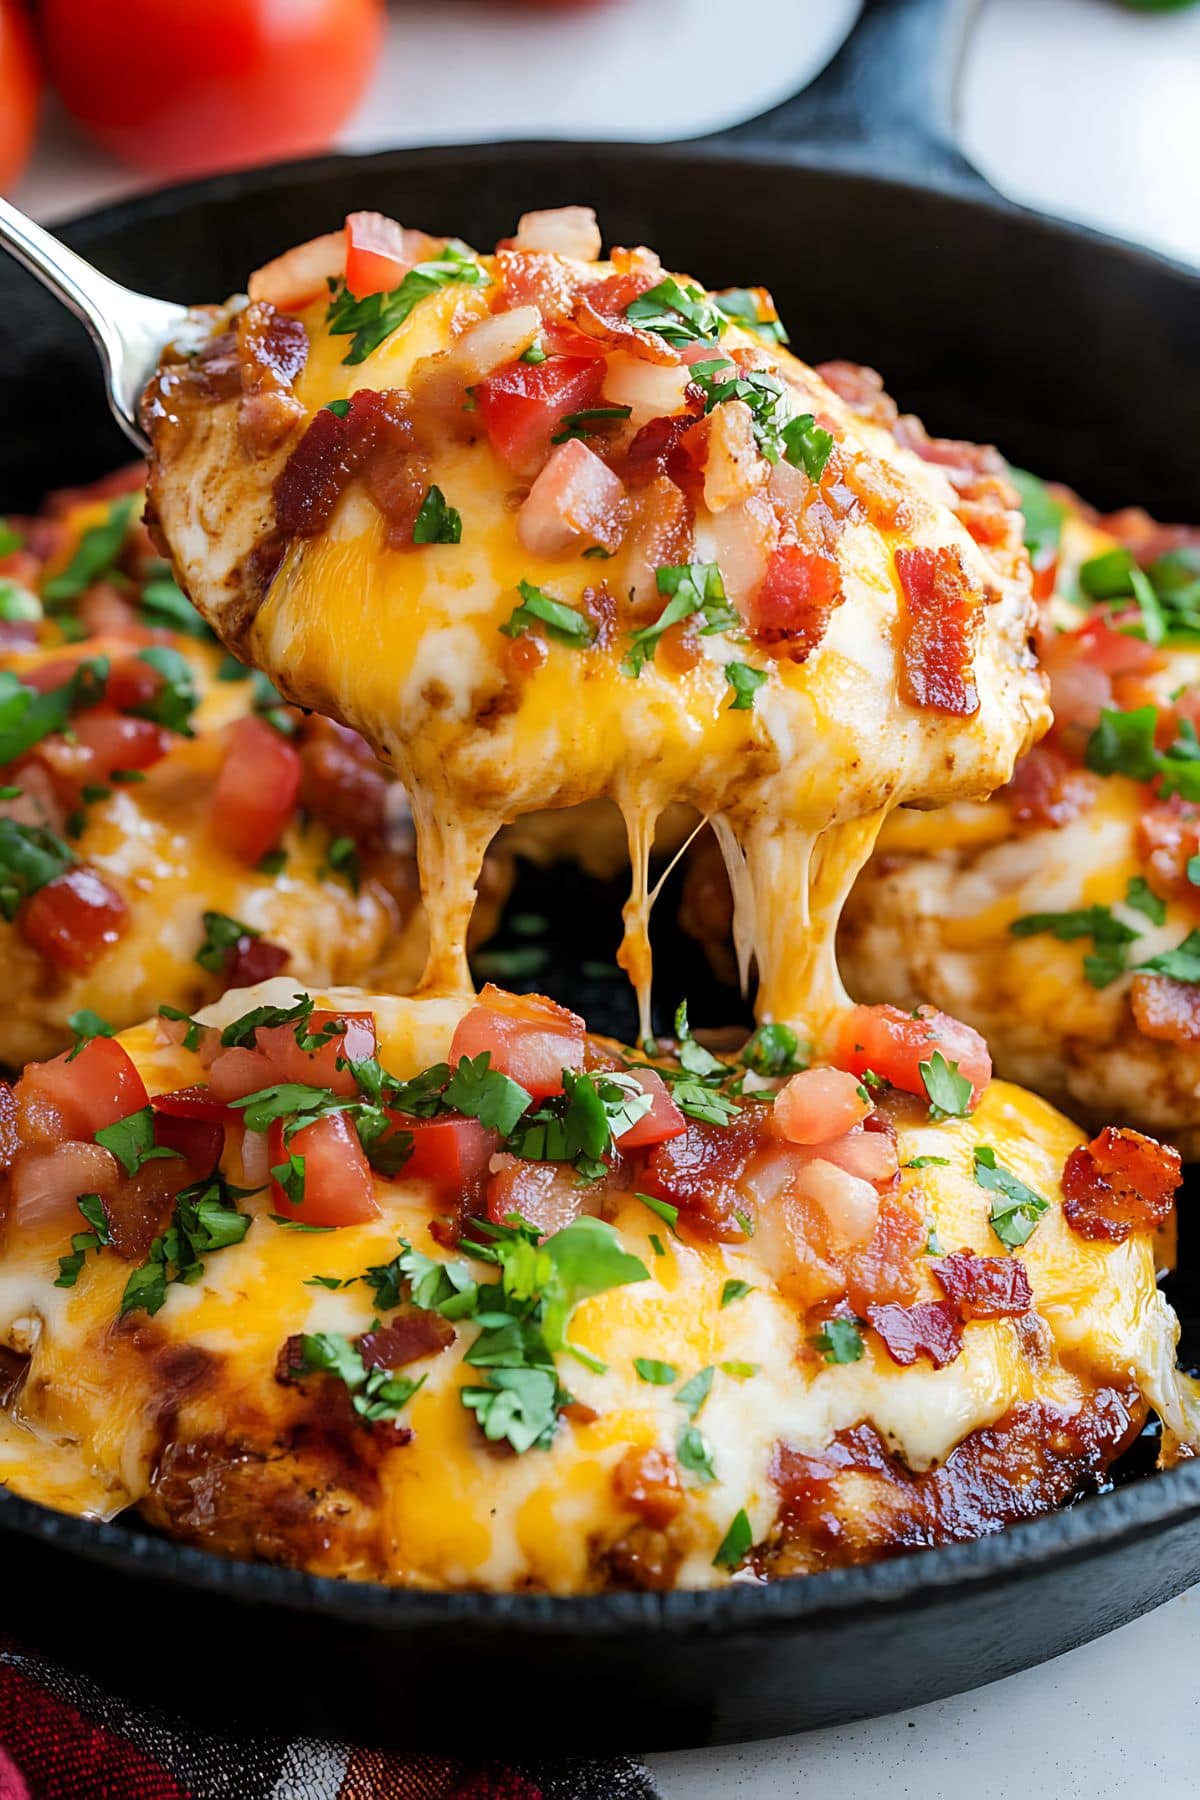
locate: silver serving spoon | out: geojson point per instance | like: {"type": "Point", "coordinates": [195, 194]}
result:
{"type": "Point", "coordinates": [130, 330]}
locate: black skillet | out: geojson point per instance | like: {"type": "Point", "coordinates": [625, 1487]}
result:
{"type": "Point", "coordinates": [1079, 356]}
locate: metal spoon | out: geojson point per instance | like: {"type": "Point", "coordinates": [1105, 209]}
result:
{"type": "Point", "coordinates": [130, 330]}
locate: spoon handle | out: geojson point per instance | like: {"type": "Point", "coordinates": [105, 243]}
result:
{"type": "Point", "coordinates": [129, 329]}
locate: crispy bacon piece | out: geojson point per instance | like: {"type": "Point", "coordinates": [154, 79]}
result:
{"type": "Point", "coordinates": [862, 389]}
{"type": "Point", "coordinates": [884, 1270]}
{"type": "Point", "coordinates": [649, 1484]}
{"type": "Point", "coordinates": [272, 349]}
{"type": "Point", "coordinates": [939, 625]}
{"type": "Point", "coordinates": [408, 1335]}
{"type": "Point", "coordinates": [793, 604]}
{"type": "Point", "coordinates": [1168, 836]}
{"type": "Point", "coordinates": [374, 436]}
{"type": "Point", "coordinates": [932, 1328]}
{"type": "Point", "coordinates": [1166, 1009]}
{"type": "Point", "coordinates": [699, 1172]}
{"type": "Point", "coordinates": [1048, 789]}
{"type": "Point", "coordinates": [537, 278]}
{"type": "Point", "coordinates": [985, 1287]}
{"type": "Point", "coordinates": [1120, 1183]}
{"type": "Point", "coordinates": [600, 315]}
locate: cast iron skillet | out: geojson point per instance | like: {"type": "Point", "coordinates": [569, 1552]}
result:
{"type": "Point", "coordinates": [1078, 355]}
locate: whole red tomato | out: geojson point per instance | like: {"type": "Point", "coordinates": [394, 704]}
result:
{"type": "Point", "coordinates": [190, 85]}
{"type": "Point", "coordinates": [18, 90]}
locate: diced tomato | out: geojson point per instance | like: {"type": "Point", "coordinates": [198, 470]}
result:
{"type": "Point", "coordinates": [253, 959]}
{"type": "Point", "coordinates": [528, 1038]}
{"type": "Point", "coordinates": [74, 919]}
{"type": "Point", "coordinates": [338, 1185]}
{"type": "Point", "coordinates": [277, 1056]}
{"type": "Point", "coordinates": [894, 1044]}
{"type": "Point", "coordinates": [818, 1105]}
{"type": "Point", "coordinates": [132, 683]}
{"type": "Point", "coordinates": [796, 599]}
{"type": "Point", "coordinates": [377, 254]}
{"type": "Point", "coordinates": [664, 1120]}
{"type": "Point", "coordinates": [45, 677]}
{"type": "Point", "coordinates": [523, 407]}
{"type": "Point", "coordinates": [197, 1102]}
{"type": "Point", "coordinates": [256, 790]}
{"type": "Point", "coordinates": [1113, 651]}
{"type": "Point", "coordinates": [87, 1091]}
{"type": "Point", "coordinates": [198, 1141]}
{"type": "Point", "coordinates": [547, 1195]}
{"type": "Point", "coordinates": [113, 741]}
{"type": "Point", "coordinates": [451, 1151]}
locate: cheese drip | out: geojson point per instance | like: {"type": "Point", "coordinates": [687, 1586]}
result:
{"type": "Point", "coordinates": [406, 646]}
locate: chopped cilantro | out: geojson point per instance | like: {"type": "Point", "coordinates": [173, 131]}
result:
{"type": "Point", "coordinates": [1181, 964]}
{"type": "Point", "coordinates": [695, 1454]}
{"type": "Point", "coordinates": [131, 1140]}
{"type": "Point", "coordinates": [678, 314]}
{"type": "Point", "coordinates": [375, 1394]}
{"type": "Point", "coordinates": [87, 1025]}
{"type": "Point", "coordinates": [840, 1341]}
{"type": "Point", "coordinates": [807, 445]}
{"type": "Point", "coordinates": [737, 1543]}
{"type": "Point", "coordinates": [581, 1124]}
{"type": "Point", "coordinates": [752, 310]}
{"type": "Point", "coordinates": [437, 523]}
{"type": "Point", "coordinates": [29, 859]}
{"type": "Point", "coordinates": [191, 1037]}
{"type": "Point", "coordinates": [483, 1093]}
{"type": "Point", "coordinates": [1110, 937]}
{"type": "Point", "coordinates": [166, 605]}
{"type": "Point", "coordinates": [221, 935]}
{"type": "Point", "coordinates": [692, 588]}
{"type": "Point", "coordinates": [775, 1050]}
{"type": "Point", "coordinates": [1043, 513]}
{"type": "Point", "coordinates": [695, 1392]}
{"type": "Point", "coordinates": [290, 1176]}
{"type": "Point", "coordinates": [563, 623]}
{"type": "Point", "coordinates": [658, 1374]}
{"type": "Point", "coordinates": [95, 554]}
{"type": "Point", "coordinates": [205, 1219]}
{"type": "Point", "coordinates": [373, 318]}
{"type": "Point", "coordinates": [294, 1100]}
{"type": "Point", "coordinates": [10, 538]}
{"type": "Point", "coordinates": [69, 1267]}
{"type": "Point", "coordinates": [241, 1031]}
{"type": "Point", "coordinates": [339, 408]}
{"type": "Point", "coordinates": [665, 1211]}
{"type": "Point", "coordinates": [949, 1092]}
{"type": "Point", "coordinates": [656, 1244]}
{"type": "Point", "coordinates": [534, 354]}
{"type": "Point", "coordinates": [1143, 899]}
{"type": "Point", "coordinates": [1016, 1209]}
{"type": "Point", "coordinates": [17, 604]}
{"type": "Point", "coordinates": [740, 1371]}
{"type": "Point", "coordinates": [927, 1162]}
{"type": "Point", "coordinates": [344, 860]}
{"type": "Point", "coordinates": [518, 1405]}
{"type": "Point", "coordinates": [735, 1290]}
{"type": "Point", "coordinates": [175, 701]}
{"type": "Point", "coordinates": [745, 682]}
{"type": "Point", "coordinates": [587, 423]}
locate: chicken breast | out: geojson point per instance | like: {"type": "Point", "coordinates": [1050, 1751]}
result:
{"type": "Point", "coordinates": [169, 826]}
{"type": "Point", "coordinates": [495, 1321]}
{"type": "Point", "coordinates": [1060, 918]}
{"type": "Point", "coordinates": [547, 528]}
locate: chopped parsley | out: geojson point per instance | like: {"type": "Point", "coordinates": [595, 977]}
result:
{"type": "Point", "coordinates": [377, 1395]}
{"type": "Point", "coordinates": [589, 422]}
{"type": "Point", "coordinates": [563, 623]}
{"type": "Point", "coordinates": [949, 1092]}
{"type": "Point", "coordinates": [928, 1162]}
{"type": "Point", "coordinates": [752, 310]}
{"type": "Point", "coordinates": [658, 1374]}
{"type": "Point", "coordinates": [95, 1238]}
{"type": "Point", "coordinates": [87, 1025]}
{"type": "Point", "coordinates": [1016, 1209]}
{"type": "Point", "coordinates": [483, 1093]}
{"type": "Point", "coordinates": [1167, 594]}
{"type": "Point", "coordinates": [1110, 937]}
{"type": "Point", "coordinates": [840, 1341]}
{"type": "Point", "coordinates": [680, 315]}
{"type": "Point", "coordinates": [164, 604]}
{"type": "Point", "coordinates": [774, 1050]}
{"type": "Point", "coordinates": [735, 1290]}
{"type": "Point", "coordinates": [694, 588]}
{"type": "Point", "coordinates": [96, 553]}
{"type": "Point", "coordinates": [264, 1018]}
{"type": "Point", "coordinates": [745, 682]}
{"type": "Point", "coordinates": [27, 716]}
{"type": "Point", "coordinates": [1123, 744]}
{"type": "Point", "coordinates": [30, 858]}
{"type": "Point", "coordinates": [1143, 899]}
{"type": "Point", "coordinates": [778, 432]}
{"type": "Point", "coordinates": [344, 860]}
{"type": "Point", "coordinates": [1181, 964]}
{"type": "Point", "coordinates": [175, 701]}
{"type": "Point", "coordinates": [191, 1037]}
{"type": "Point", "coordinates": [369, 321]}
{"type": "Point", "coordinates": [662, 1209]}
{"type": "Point", "coordinates": [131, 1140]}
{"type": "Point", "coordinates": [205, 1219]}
{"type": "Point", "coordinates": [737, 1543]}
{"type": "Point", "coordinates": [437, 523]}
{"type": "Point", "coordinates": [695, 1454]}
{"type": "Point", "coordinates": [221, 935]}
{"type": "Point", "coordinates": [1044, 514]}
{"type": "Point", "coordinates": [580, 1125]}
{"type": "Point", "coordinates": [339, 408]}
{"type": "Point", "coordinates": [695, 1392]}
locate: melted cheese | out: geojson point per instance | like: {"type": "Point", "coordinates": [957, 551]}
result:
{"type": "Point", "coordinates": [455, 1514]}
{"type": "Point", "coordinates": [406, 647]}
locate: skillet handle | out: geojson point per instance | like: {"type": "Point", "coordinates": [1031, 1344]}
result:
{"type": "Point", "coordinates": [887, 102]}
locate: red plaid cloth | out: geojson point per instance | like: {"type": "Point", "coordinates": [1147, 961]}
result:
{"type": "Point", "coordinates": [64, 1738]}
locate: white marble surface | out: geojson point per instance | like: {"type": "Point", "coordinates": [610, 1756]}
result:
{"type": "Point", "coordinates": [1076, 106]}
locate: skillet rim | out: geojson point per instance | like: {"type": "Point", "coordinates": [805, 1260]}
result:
{"type": "Point", "coordinates": [1102, 1524]}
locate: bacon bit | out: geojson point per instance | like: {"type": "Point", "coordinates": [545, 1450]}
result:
{"type": "Point", "coordinates": [953, 454]}
{"type": "Point", "coordinates": [1168, 836]}
{"type": "Point", "coordinates": [74, 919]}
{"type": "Point", "coordinates": [600, 315]}
{"type": "Point", "coordinates": [700, 1173]}
{"type": "Point", "coordinates": [648, 1483]}
{"type": "Point", "coordinates": [862, 390]}
{"type": "Point", "coordinates": [939, 625]}
{"type": "Point", "coordinates": [985, 1287]}
{"type": "Point", "coordinates": [1048, 789]}
{"type": "Point", "coordinates": [324, 462]}
{"type": "Point", "coordinates": [537, 279]}
{"type": "Point", "coordinates": [253, 959]}
{"type": "Point", "coordinates": [272, 350]}
{"type": "Point", "coordinates": [564, 231]}
{"type": "Point", "coordinates": [576, 499]}
{"type": "Point", "coordinates": [1148, 540]}
{"type": "Point", "coordinates": [795, 601]}
{"type": "Point", "coordinates": [341, 783]}
{"type": "Point", "coordinates": [885, 1269]}
{"type": "Point", "coordinates": [1166, 1009]}
{"type": "Point", "coordinates": [932, 1329]}
{"type": "Point", "coordinates": [408, 1335]}
{"type": "Point", "coordinates": [1120, 1183]}
{"type": "Point", "coordinates": [656, 451]}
